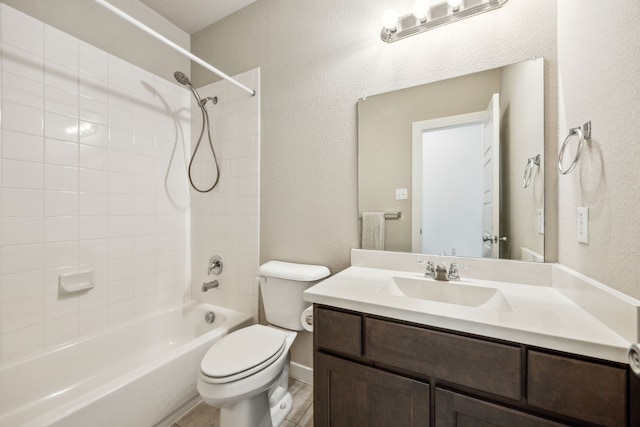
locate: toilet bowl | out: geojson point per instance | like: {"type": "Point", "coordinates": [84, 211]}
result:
{"type": "Point", "coordinates": [240, 385]}
{"type": "Point", "coordinates": [246, 373]}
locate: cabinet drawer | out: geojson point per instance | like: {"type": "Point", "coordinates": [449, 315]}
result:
{"type": "Point", "coordinates": [338, 331]}
{"type": "Point", "coordinates": [486, 366]}
{"type": "Point", "coordinates": [583, 390]}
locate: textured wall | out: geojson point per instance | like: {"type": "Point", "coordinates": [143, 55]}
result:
{"type": "Point", "coordinates": [316, 59]}
{"type": "Point", "coordinates": [97, 26]}
{"type": "Point", "coordinates": [599, 65]}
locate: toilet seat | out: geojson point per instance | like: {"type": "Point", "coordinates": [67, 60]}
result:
{"type": "Point", "coordinates": [242, 353]}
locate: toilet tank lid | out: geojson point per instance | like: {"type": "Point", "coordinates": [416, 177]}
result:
{"type": "Point", "coordinates": [294, 271]}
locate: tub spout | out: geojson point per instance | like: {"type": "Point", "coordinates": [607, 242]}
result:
{"type": "Point", "coordinates": [209, 285]}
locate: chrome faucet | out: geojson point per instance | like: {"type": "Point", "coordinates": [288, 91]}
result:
{"type": "Point", "coordinates": [209, 285]}
{"type": "Point", "coordinates": [440, 271]}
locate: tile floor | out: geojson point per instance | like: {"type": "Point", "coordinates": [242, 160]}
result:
{"type": "Point", "coordinates": [301, 414]}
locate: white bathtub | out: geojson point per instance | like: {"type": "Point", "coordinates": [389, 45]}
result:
{"type": "Point", "coordinates": [137, 374]}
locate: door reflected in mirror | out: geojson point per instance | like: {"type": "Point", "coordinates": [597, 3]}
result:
{"type": "Point", "coordinates": [451, 156]}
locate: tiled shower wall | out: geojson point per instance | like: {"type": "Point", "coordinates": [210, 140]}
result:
{"type": "Point", "coordinates": [226, 221]}
{"type": "Point", "coordinates": [92, 178]}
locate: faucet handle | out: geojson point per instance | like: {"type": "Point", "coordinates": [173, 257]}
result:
{"type": "Point", "coordinates": [430, 270]}
{"type": "Point", "coordinates": [454, 270]}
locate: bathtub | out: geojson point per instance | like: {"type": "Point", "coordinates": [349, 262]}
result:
{"type": "Point", "coordinates": [142, 373]}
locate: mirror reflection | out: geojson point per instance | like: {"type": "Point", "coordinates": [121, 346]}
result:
{"type": "Point", "coordinates": [454, 167]}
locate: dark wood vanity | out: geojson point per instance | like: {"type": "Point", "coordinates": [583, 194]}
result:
{"type": "Point", "coordinates": [373, 371]}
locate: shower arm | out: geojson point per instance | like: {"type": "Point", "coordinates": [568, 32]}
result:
{"type": "Point", "coordinates": [174, 46]}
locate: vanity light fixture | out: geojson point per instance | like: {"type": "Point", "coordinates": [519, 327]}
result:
{"type": "Point", "coordinates": [455, 5]}
{"type": "Point", "coordinates": [421, 10]}
{"type": "Point", "coordinates": [428, 15]}
{"type": "Point", "coordinates": [390, 21]}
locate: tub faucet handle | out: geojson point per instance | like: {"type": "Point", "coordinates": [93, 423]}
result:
{"type": "Point", "coordinates": [215, 265]}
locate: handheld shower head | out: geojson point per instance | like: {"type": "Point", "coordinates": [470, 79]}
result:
{"type": "Point", "coordinates": [182, 78]}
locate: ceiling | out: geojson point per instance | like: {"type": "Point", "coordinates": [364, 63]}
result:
{"type": "Point", "coordinates": [193, 15]}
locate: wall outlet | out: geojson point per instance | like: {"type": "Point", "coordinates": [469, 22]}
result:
{"type": "Point", "coordinates": [402, 194]}
{"type": "Point", "coordinates": [583, 225]}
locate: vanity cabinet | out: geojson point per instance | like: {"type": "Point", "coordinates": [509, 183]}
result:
{"type": "Point", "coordinates": [358, 395]}
{"type": "Point", "coordinates": [373, 371]}
{"type": "Point", "coordinates": [454, 409]}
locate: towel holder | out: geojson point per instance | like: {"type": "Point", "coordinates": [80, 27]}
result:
{"type": "Point", "coordinates": [584, 134]}
{"type": "Point", "coordinates": [393, 215]}
{"type": "Point", "coordinates": [528, 170]}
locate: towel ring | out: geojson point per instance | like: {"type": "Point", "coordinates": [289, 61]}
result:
{"type": "Point", "coordinates": [584, 133]}
{"type": "Point", "coordinates": [528, 170]}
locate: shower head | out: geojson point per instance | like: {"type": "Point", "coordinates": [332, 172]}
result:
{"type": "Point", "coordinates": [182, 78]}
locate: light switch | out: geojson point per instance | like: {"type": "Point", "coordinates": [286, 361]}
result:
{"type": "Point", "coordinates": [402, 194]}
{"type": "Point", "coordinates": [583, 225]}
{"type": "Point", "coordinates": [541, 221]}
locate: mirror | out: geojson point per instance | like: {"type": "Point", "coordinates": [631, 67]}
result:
{"type": "Point", "coordinates": [456, 166]}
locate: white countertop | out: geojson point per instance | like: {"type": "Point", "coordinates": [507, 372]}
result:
{"type": "Point", "coordinates": [539, 315]}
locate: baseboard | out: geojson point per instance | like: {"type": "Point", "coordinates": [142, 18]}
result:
{"type": "Point", "coordinates": [301, 372]}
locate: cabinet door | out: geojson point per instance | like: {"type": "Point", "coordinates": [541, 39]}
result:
{"type": "Point", "coordinates": [457, 410]}
{"type": "Point", "coordinates": [347, 394]}
{"type": "Point", "coordinates": [583, 390]}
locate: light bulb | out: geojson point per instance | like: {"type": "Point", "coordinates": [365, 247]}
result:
{"type": "Point", "coordinates": [455, 4]}
{"type": "Point", "coordinates": [390, 20]}
{"type": "Point", "coordinates": [420, 10]}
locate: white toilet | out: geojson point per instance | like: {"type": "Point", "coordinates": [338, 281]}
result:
{"type": "Point", "coordinates": [246, 373]}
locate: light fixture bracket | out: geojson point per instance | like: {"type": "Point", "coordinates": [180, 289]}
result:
{"type": "Point", "coordinates": [409, 25]}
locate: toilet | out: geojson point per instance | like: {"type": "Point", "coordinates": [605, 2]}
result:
{"type": "Point", "coordinates": [246, 373]}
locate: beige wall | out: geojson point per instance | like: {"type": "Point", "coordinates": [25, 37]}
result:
{"type": "Point", "coordinates": [97, 26]}
{"type": "Point", "coordinates": [521, 133]}
{"type": "Point", "coordinates": [599, 65]}
{"type": "Point", "coordinates": [316, 60]}
{"type": "Point", "coordinates": [311, 79]}
{"type": "Point", "coordinates": [385, 141]}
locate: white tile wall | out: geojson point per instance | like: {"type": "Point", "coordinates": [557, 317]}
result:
{"type": "Point", "coordinates": [225, 221]}
{"type": "Point", "coordinates": [86, 144]}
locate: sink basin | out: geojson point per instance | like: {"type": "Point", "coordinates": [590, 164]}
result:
{"type": "Point", "coordinates": [447, 293]}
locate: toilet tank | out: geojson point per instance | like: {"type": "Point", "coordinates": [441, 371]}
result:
{"type": "Point", "coordinates": [282, 286]}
